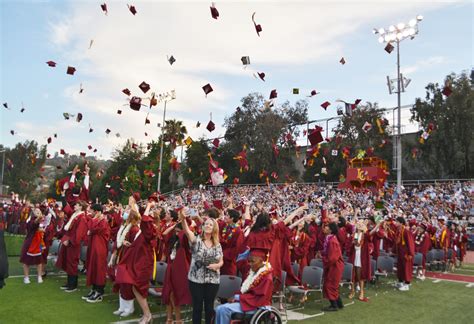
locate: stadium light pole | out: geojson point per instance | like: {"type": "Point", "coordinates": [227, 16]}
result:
{"type": "Point", "coordinates": [396, 34]}
{"type": "Point", "coordinates": [3, 170]}
{"type": "Point", "coordinates": [164, 97]}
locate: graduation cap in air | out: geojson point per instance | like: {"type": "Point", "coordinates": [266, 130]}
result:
{"type": "Point", "coordinates": [198, 124]}
{"type": "Point", "coordinates": [119, 112]}
{"type": "Point", "coordinates": [132, 9]}
{"type": "Point", "coordinates": [95, 151]}
{"type": "Point", "coordinates": [126, 91]}
{"type": "Point", "coordinates": [258, 27]}
{"type": "Point", "coordinates": [91, 129]}
{"type": "Point", "coordinates": [296, 91]}
{"type": "Point", "coordinates": [51, 63]}
{"type": "Point", "coordinates": [147, 121]}
{"type": "Point", "coordinates": [315, 136]}
{"type": "Point", "coordinates": [83, 154]}
{"type": "Point", "coordinates": [144, 87]}
{"type": "Point", "coordinates": [67, 116]}
{"type": "Point", "coordinates": [273, 94]}
{"type": "Point", "coordinates": [12, 132]}
{"type": "Point", "coordinates": [342, 61]}
{"type": "Point", "coordinates": [260, 75]}
{"type": "Point", "coordinates": [214, 12]}
{"type": "Point", "coordinates": [207, 89]}
{"type": "Point", "coordinates": [5, 105]}
{"type": "Point", "coordinates": [62, 151]}
{"type": "Point", "coordinates": [216, 142]}
{"type": "Point", "coordinates": [245, 60]}
{"type": "Point", "coordinates": [210, 126]}
{"type": "Point", "coordinates": [81, 89]}
{"type": "Point", "coordinates": [117, 135]}
{"type": "Point", "coordinates": [171, 60]}
{"type": "Point", "coordinates": [89, 147]}
{"type": "Point", "coordinates": [313, 93]}
{"type": "Point", "coordinates": [79, 117]}
{"type": "Point", "coordinates": [107, 131]}
{"type": "Point", "coordinates": [447, 91]}
{"type": "Point", "coordinates": [49, 140]}
{"type": "Point", "coordinates": [55, 135]}
{"type": "Point", "coordinates": [389, 48]}
{"type": "Point", "coordinates": [70, 70]}
{"type": "Point", "coordinates": [325, 105]}
{"type": "Point", "coordinates": [135, 103]}
{"type": "Point", "coordinates": [104, 8]}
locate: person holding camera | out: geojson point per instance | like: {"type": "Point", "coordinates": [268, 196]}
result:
{"type": "Point", "coordinates": [204, 272]}
{"type": "Point", "coordinates": [33, 245]}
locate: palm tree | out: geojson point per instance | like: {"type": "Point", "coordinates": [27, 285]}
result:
{"type": "Point", "coordinates": [175, 133]}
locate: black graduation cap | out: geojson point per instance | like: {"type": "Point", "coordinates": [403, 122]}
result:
{"type": "Point", "coordinates": [71, 70]}
{"type": "Point", "coordinates": [207, 89]}
{"type": "Point", "coordinates": [171, 59]}
{"type": "Point", "coordinates": [261, 75]}
{"type": "Point", "coordinates": [273, 94]}
{"type": "Point", "coordinates": [22, 110]}
{"type": "Point", "coordinates": [296, 91]}
{"type": "Point", "coordinates": [91, 129]}
{"type": "Point", "coordinates": [258, 27]}
{"type": "Point", "coordinates": [144, 87]}
{"type": "Point", "coordinates": [126, 91]}
{"type": "Point", "coordinates": [245, 60]}
{"type": "Point", "coordinates": [132, 9]}
{"type": "Point", "coordinates": [389, 48]}
{"type": "Point", "coordinates": [342, 61]}
{"type": "Point", "coordinates": [79, 117]}
{"type": "Point", "coordinates": [198, 124]}
{"type": "Point", "coordinates": [5, 105]}
{"type": "Point", "coordinates": [12, 132]}
{"type": "Point", "coordinates": [104, 7]}
{"type": "Point", "coordinates": [214, 12]}
{"type": "Point", "coordinates": [136, 103]}
{"type": "Point", "coordinates": [119, 112]}
{"type": "Point", "coordinates": [107, 131]}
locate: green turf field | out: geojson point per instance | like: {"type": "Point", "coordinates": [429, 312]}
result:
{"type": "Point", "coordinates": [426, 302]}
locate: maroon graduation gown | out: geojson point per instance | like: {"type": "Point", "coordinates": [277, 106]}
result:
{"type": "Point", "coordinates": [405, 250]}
{"type": "Point", "coordinates": [68, 256]}
{"type": "Point", "coordinates": [97, 251]}
{"type": "Point", "coordinates": [333, 268]}
{"type": "Point", "coordinates": [258, 295]}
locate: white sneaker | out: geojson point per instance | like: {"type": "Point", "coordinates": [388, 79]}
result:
{"type": "Point", "coordinates": [118, 312]}
{"type": "Point", "coordinates": [40, 279]}
{"type": "Point", "coordinates": [422, 278]}
{"type": "Point", "coordinates": [404, 288]}
{"type": "Point", "coordinates": [26, 280]}
{"type": "Point", "coordinates": [127, 313]}
{"type": "Point", "coordinates": [399, 284]}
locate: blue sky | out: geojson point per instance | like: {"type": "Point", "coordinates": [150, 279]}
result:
{"type": "Point", "coordinates": [300, 46]}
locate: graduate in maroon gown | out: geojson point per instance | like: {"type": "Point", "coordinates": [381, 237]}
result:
{"type": "Point", "coordinates": [405, 250]}
{"type": "Point", "coordinates": [422, 245]}
{"type": "Point", "coordinates": [31, 252]}
{"type": "Point", "coordinates": [70, 250]}
{"type": "Point", "coordinates": [256, 290]}
{"type": "Point", "coordinates": [231, 239]}
{"type": "Point", "coordinates": [97, 250]}
{"type": "Point", "coordinates": [138, 262]}
{"type": "Point", "coordinates": [333, 266]}
{"type": "Point", "coordinates": [377, 233]}
{"type": "Point", "coordinates": [176, 291]}
{"type": "Point", "coordinates": [299, 245]}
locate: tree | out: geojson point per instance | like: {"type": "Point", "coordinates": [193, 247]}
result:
{"type": "Point", "coordinates": [195, 169]}
{"type": "Point", "coordinates": [260, 130]}
{"type": "Point", "coordinates": [349, 133]}
{"type": "Point", "coordinates": [23, 165]}
{"type": "Point", "coordinates": [448, 152]}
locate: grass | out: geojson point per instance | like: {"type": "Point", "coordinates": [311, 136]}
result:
{"type": "Point", "coordinates": [13, 244]}
{"type": "Point", "coordinates": [426, 302]}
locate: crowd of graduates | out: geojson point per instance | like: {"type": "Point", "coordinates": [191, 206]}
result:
{"type": "Point", "coordinates": [255, 232]}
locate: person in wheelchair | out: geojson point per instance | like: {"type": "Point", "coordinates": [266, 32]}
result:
{"type": "Point", "coordinates": [256, 290]}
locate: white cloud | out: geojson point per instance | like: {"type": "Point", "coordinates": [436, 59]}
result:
{"type": "Point", "coordinates": [423, 64]}
{"type": "Point", "coordinates": [130, 49]}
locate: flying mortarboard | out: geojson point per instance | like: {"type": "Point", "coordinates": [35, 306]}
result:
{"type": "Point", "coordinates": [104, 8]}
{"type": "Point", "coordinates": [325, 105]}
{"type": "Point", "coordinates": [216, 142]}
{"type": "Point", "coordinates": [79, 117]}
{"type": "Point", "coordinates": [5, 105]}
{"type": "Point", "coordinates": [273, 94]}
{"type": "Point", "coordinates": [83, 154]}
{"type": "Point", "coordinates": [107, 131]}
{"type": "Point", "coordinates": [51, 63]}
{"type": "Point", "coordinates": [313, 93]}
{"type": "Point", "coordinates": [342, 61]}
{"type": "Point", "coordinates": [126, 91]}
{"type": "Point", "coordinates": [70, 70]}
{"type": "Point", "coordinates": [119, 112]}
{"type": "Point", "coordinates": [210, 126]}
{"type": "Point", "coordinates": [12, 132]}
{"type": "Point", "coordinates": [171, 59]}
{"type": "Point", "coordinates": [207, 89]}
{"type": "Point", "coordinates": [89, 147]}
{"type": "Point", "coordinates": [135, 103]}
{"type": "Point", "coordinates": [245, 60]}
{"type": "Point", "coordinates": [214, 12]}
{"type": "Point", "coordinates": [296, 91]}
{"type": "Point", "coordinates": [389, 48]}
{"type": "Point", "coordinates": [144, 87]}
{"type": "Point", "coordinates": [91, 129]}
{"type": "Point", "coordinates": [49, 140]}
{"type": "Point", "coordinates": [81, 89]}
{"type": "Point", "coordinates": [315, 136]}
{"type": "Point", "coordinates": [258, 27]}
{"type": "Point", "coordinates": [132, 9]}
{"type": "Point", "coordinates": [447, 91]}
{"type": "Point", "coordinates": [198, 124]}
{"type": "Point", "coordinates": [61, 151]}
{"type": "Point", "coordinates": [261, 75]}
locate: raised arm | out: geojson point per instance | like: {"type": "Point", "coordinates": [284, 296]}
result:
{"type": "Point", "coordinates": [293, 214]}
{"type": "Point", "coordinates": [187, 231]}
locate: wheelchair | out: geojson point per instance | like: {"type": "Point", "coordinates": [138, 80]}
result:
{"type": "Point", "coordinates": [264, 315]}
